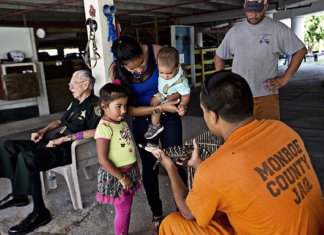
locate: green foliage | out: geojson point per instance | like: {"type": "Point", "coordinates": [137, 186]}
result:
{"type": "Point", "coordinates": [314, 31]}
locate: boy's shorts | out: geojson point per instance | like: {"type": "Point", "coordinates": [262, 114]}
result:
{"type": "Point", "coordinates": [161, 97]}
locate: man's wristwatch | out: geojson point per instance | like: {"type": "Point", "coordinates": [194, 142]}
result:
{"type": "Point", "coordinates": [69, 137]}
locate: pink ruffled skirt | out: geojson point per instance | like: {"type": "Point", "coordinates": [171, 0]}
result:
{"type": "Point", "coordinates": [109, 190]}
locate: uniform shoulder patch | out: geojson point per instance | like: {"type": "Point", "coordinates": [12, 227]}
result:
{"type": "Point", "coordinates": [97, 111]}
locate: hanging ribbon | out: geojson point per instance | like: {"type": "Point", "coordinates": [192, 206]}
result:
{"type": "Point", "coordinates": [109, 12]}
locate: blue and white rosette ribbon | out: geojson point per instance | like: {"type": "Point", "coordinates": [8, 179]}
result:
{"type": "Point", "coordinates": [109, 12]}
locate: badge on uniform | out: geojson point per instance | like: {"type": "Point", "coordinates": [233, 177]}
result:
{"type": "Point", "coordinates": [82, 115]}
{"type": "Point", "coordinates": [63, 129]}
{"type": "Point", "coordinates": [97, 111]}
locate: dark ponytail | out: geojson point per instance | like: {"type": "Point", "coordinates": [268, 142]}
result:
{"type": "Point", "coordinates": [125, 49]}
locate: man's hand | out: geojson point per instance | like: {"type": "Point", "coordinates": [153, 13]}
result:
{"type": "Point", "coordinates": [273, 84]}
{"type": "Point", "coordinates": [37, 136]}
{"type": "Point", "coordinates": [179, 189]}
{"type": "Point", "coordinates": [55, 142]}
{"type": "Point", "coordinates": [165, 160]}
{"type": "Point", "coordinates": [195, 158]}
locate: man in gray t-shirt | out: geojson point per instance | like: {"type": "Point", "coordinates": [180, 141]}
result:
{"type": "Point", "coordinates": [256, 44]}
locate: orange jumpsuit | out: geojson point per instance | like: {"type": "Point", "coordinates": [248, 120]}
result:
{"type": "Point", "coordinates": [262, 179]}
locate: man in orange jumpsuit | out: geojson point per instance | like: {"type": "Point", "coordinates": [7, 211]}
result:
{"type": "Point", "coordinates": [261, 181]}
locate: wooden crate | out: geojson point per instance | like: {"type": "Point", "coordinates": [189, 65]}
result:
{"type": "Point", "coordinates": [19, 86]}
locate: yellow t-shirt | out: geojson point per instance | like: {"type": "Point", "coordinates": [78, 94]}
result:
{"type": "Point", "coordinates": [263, 179]}
{"type": "Point", "coordinates": [121, 145]}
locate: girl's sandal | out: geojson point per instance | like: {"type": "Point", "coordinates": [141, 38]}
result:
{"type": "Point", "coordinates": [156, 221]}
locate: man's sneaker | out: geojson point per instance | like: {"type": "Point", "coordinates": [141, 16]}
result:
{"type": "Point", "coordinates": [153, 131]}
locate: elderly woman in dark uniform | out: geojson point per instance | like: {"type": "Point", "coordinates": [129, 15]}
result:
{"type": "Point", "coordinates": [22, 160]}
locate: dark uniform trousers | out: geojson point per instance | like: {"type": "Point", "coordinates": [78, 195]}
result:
{"type": "Point", "coordinates": [22, 160]}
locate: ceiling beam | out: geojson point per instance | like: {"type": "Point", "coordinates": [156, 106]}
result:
{"type": "Point", "coordinates": [314, 8]}
{"type": "Point", "coordinates": [179, 3]}
{"type": "Point", "coordinates": [144, 8]}
{"type": "Point", "coordinates": [238, 13]}
{"type": "Point", "coordinates": [229, 2]}
{"type": "Point", "coordinates": [22, 7]}
{"type": "Point", "coordinates": [39, 8]}
{"type": "Point", "coordinates": [215, 16]}
{"type": "Point", "coordinates": [198, 5]}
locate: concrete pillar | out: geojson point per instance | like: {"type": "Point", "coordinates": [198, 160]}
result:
{"type": "Point", "coordinates": [297, 26]}
{"type": "Point", "coordinates": [199, 39]}
{"type": "Point", "coordinates": [100, 71]}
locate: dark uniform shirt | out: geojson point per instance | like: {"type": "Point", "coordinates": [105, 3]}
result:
{"type": "Point", "coordinates": [80, 117]}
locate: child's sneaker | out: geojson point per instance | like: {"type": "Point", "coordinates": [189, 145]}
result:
{"type": "Point", "coordinates": [153, 131]}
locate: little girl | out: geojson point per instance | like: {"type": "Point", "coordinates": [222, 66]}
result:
{"type": "Point", "coordinates": [118, 175]}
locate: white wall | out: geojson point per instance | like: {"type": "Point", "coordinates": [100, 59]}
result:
{"type": "Point", "coordinates": [22, 39]}
{"type": "Point", "coordinates": [15, 39]}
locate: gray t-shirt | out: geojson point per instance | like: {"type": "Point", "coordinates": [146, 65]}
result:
{"type": "Point", "coordinates": [256, 50]}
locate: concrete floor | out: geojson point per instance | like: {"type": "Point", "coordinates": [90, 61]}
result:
{"type": "Point", "coordinates": [94, 218]}
{"type": "Point", "coordinates": [302, 107]}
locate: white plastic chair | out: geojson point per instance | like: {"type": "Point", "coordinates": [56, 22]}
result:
{"type": "Point", "coordinates": [84, 154]}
